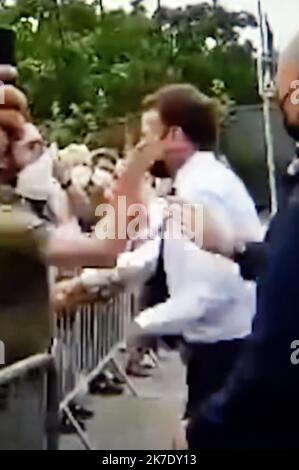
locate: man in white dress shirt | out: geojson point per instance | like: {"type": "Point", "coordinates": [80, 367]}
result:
{"type": "Point", "coordinates": [209, 304]}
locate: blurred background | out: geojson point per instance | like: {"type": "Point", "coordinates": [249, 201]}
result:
{"type": "Point", "coordinates": [86, 66]}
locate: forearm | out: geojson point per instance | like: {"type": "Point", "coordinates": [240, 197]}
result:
{"type": "Point", "coordinates": [218, 236]}
{"type": "Point", "coordinates": [194, 308]}
{"type": "Point", "coordinates": [170, 317]}
{"type": "Point", "coordinates": [83, 251]}
{"type": "Point", "coordinates": [103, 252]}
{"type": "Point", "coordinates": [139, 265]}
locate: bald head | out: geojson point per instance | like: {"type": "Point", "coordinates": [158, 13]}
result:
{"type": "Point", "coordinates": [288, 86]}
{"type": "Point", "coordinates": [290, 55]}
{"type": "Point", "coordinates": [288, 67]}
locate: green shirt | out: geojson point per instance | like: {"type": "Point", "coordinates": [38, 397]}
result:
{"type": "Point", "coordinates": [24, 294]}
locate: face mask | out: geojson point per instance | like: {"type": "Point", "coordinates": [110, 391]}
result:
{"type": "Point", "coordinates": [80, 176]}
{"type": "Point", "coordinates": [34, 181]}
{"type": "Point", "coordinates": [101, 178]}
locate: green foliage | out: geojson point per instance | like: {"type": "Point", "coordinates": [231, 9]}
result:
{"type": "Point", "coordinates": [84, 67]}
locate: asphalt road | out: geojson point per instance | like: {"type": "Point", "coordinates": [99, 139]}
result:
{"type": "Point", "coordinates": [143, 423]}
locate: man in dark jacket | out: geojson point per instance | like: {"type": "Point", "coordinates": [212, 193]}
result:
{"type": "Point", "coordinates": [258, 407]}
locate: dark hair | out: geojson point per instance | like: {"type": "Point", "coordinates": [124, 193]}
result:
{"type": "Point", "coordinates": [184, 106]}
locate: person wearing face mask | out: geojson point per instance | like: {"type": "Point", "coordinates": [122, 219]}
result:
{"type": "Point", "coordinates": [34, 165]}
{"type": "Point", "coordinates": [14, 126]}
{"type": "Point", "coordinates": [24, 277]}
{"type": "Point", "coordinates": [258, 406]}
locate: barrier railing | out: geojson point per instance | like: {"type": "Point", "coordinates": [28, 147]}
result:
{"type": "Point", "coordinates": [87, 338]}
{"type": "Point", "coordinates": [36, 391]}
{"type": "Point", "coordinates": [29, 405]}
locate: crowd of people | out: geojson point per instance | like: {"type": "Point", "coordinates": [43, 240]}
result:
{"type": "Point", "coordinates": [225, 299]}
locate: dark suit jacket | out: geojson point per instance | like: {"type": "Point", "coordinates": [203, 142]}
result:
{"type": "Point", "coordinates": [259, 406]}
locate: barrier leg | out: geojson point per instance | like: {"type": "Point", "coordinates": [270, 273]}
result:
{"type": "Point", "coordinates": [154, 358]}
{"type": "Point", "coordinates": [52, 409]}
{"type": "Point", "coordinates": [125, 377]}
{"type": "Point", "coordinates": [81, 434]}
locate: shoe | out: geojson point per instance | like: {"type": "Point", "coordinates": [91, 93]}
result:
{"type": "Point", "coordinates": [79, 412]}
{"type": "Point", "coordinates": [66, 427]}
{"type": "Point", "coordinates": [100, 378]}
{"type": "Point", "coordinates": [147, 362]}
{"type": "Point", "coordinates": [118, 380]}
{"type": "Point", "coordinates": [106, 388]}
{"type": "Point", "coordinates": [136, 370]}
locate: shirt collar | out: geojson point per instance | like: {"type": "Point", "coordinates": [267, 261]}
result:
{"type": "Point", "coordinates": [197, 160]}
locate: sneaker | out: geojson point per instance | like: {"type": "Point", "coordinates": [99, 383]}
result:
{"type": "Point", "coordinates": [67, 427]}
{"type": "Point", "coordinates": [147, 362]}
{"type": "Point", "coordinates": [115, 377]}
{"type": "Point", "coordinates": [136, 370]}
{"type": "Point", "coordinates": [105, 387]}
{"type": "Point", "coordinates": [79, 412]}
{"type": "Point", "coordinates": [119, 380]}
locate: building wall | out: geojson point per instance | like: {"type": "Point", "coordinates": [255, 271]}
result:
{"type": "Point", "coordinates": [243, 143]}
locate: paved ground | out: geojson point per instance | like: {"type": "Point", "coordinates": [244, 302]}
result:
{"type": "Point", "coordinates": [143, 423]}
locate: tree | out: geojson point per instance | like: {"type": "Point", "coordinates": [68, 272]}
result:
{"type": "Point", "coordinates": [193, 28]}
{"type": "Point", "coordinates": [84, 70]}
{"type": "Point", "coordinates": [101, 6]}
{"type": "Point", "coordinates": [138, 7]}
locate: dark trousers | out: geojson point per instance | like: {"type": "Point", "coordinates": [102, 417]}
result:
{"type": "Point", "coordinates": [208, 366]}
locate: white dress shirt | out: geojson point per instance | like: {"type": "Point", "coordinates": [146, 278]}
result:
{"type": "Point", "coordinates": [209, 301]}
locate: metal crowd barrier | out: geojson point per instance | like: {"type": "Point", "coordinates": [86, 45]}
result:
{"type": "Point", "coordinates": [35, 392]}
{"type": "Point", "coordinates": [29, 405]}
{"type": "Point", "coordinates": [86, 339]}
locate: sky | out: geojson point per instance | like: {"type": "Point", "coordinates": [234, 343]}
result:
{"type": "Point", "coordinates": [283, 14]}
